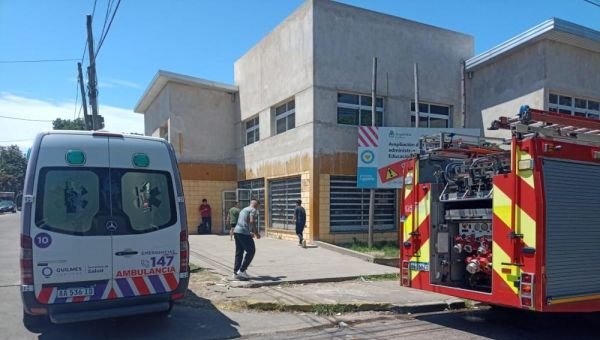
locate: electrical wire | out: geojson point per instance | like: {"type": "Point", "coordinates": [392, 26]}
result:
{"type": "Point", "coordinates": [35, 61]}
{"type": "Point", "coordinates": [15, 140]}
{"type": "Point", "coordinates": [103, 37]}
{"type": "Point", "coordinates": [27, 119]}
{"type": "Point", "coordinates": [108, 10]}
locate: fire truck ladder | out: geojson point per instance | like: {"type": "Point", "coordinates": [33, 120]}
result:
{"type": "Point", "coordinates": [550, 124]}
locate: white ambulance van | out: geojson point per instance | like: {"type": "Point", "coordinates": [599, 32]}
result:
{"type": "Point", "coordinates": [103, 228]}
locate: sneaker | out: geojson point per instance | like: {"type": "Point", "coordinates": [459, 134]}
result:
{"type": "Point", "coordinates": [243, 276]}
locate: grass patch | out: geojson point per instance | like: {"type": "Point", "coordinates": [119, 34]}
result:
{"type": "Point", "coordinates": [382, 277]}
{"type": "Point", "coordinates": [379, 249]}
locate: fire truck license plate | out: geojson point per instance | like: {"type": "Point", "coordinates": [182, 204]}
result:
{"type": "Point", "coordinates": [75, 292]}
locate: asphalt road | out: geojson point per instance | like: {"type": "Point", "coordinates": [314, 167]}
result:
{"type": "Point", "coordinates": [203, 321]}
{"type": "Point", "coordinates": [479, 324]}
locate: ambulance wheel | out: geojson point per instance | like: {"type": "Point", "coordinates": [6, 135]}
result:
{"type": "Point", "coordinates": [34, 323]}
{"type": "Point", "coordinates": [166, 312]}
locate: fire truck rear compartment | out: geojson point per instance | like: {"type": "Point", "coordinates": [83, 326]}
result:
{"type": "Point", "coordinates": [461, 248]}
{"type": "Point", "coordinates": [572, 228]}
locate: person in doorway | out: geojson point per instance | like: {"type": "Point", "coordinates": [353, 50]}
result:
{"type": "Point", "coordinates": [300, 221]}
{"type": "Point", "coordinates": [245, 230]}
{"type": "Point", "coordinates": [232, 217]}
{"type": "Point", "coordinates": [205, 214]}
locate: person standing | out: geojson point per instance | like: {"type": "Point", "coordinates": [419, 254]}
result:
{"type": "Point", "coordinates": [205, 214]}
{"type": "Point", "coordinates": [300, 221]}
{"type": "Point", "coordinates": [232, 217]}
{"type": "Point", "coordinates": [244, 232]}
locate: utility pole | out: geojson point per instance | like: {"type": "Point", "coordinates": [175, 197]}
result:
{"type": "Point", "coordinates": [372, 191]}
{"type": "Point", "coordinates": [86, 118]}
{"type": "Point", "coordinates": [92, 91]}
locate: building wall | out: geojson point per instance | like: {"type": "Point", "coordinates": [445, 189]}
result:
{"type": "Point", "coordinates": [496, 88]}
{"type": "Point", "coordinates": [206, 181]}
{"type": "Point", "coordinates": [202, 126]}
{"type": "Point", "coordinates": [157, 114]}
{"type": "Point", "coordinates": [347, 38]}
{"type": "Point", "coordinates": [278, 66]}
{"type": "Point", "coordinates": [572, 71]}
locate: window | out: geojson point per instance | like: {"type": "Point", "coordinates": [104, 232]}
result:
{"type": "Point", "coordinates": [146, 199]}
{"type": "Point", "coordinates": [81, 201]}
{"type": "Point", "coordinates": [254, 188]}
{"type": "Point", "coordinates": [285, 116]}
{"type": "Point", "coordinates": [431, 115]}
{"type": "Point", "coordinates": [574, 106]}
{"type": "Point", "coordinates": [252, 131]}
{"type": "Point", "coordinates": [354, 109]}
{"type": "Point", "coordinates": [283, 195]}
{"type": "Point", "coordinates": [349, 206]}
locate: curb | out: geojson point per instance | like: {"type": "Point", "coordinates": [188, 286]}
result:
{"type": "Point", "coordinates": [345, 251]}
{"type": "Point", "coordinates": [251, 284]}
{"type": "Point", "coordinates": [357, 307]}
{"type": "Point", "coordinates": [384, 261]}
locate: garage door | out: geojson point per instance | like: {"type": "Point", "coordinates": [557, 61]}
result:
{"type": "Point", "coordinates": [572, 228]}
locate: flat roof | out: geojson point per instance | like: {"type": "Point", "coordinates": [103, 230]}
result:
{"type": "Point", "coordinates": [162, 78]}
{"type": "Point", "coordinates": [554, 29]}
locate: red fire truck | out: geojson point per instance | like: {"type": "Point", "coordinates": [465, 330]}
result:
{"type": "Point", "coordinates": [515, 225]}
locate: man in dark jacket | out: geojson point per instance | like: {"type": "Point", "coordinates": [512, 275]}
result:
{"type": "Point", "coordinates": [300, 221]}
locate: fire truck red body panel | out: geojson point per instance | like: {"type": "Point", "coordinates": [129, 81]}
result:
{"type": "Point", "coordinates": [438, 235]}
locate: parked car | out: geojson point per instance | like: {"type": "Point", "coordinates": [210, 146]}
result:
{"type": "Point", "coordinates": [8, 206]}
{"type": "Point", "coordinates": [105, 233]}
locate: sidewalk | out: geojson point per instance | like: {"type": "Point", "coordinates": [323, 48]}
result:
{"type": "Point", "coordinates": [287, 277]}
{"type": "Point", "coordinates": [279, 261]}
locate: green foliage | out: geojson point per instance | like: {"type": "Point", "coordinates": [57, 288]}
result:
{"type": "Point", "coordinates": [12, 168]}
{"type": "Point", "coordinates": [379, 249]}
{"type": "Point", "coordinates": [68, 124]}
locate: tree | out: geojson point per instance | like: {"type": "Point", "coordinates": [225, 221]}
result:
{"type": "Point", "coordinates": [68, 124]}
{"type": "Point", "coordinates": [13, 165]}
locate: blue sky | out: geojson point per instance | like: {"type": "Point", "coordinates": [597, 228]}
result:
{"type": "Point", "coordinates": [201, 38]}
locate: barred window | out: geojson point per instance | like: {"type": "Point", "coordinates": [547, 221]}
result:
{"type": "Point", "coordinates": [349, 206]}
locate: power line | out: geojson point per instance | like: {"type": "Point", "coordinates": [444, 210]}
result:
{"type": "Point", "coordinates": [16, 140]}
{"type": "Point", "coordinates": [593, 2]}
{"type": "Point", "coordinates": [35, 61]}
{"type": "Point", "coordinates": [26, 119]}
{"type": "Point", "coordinates": [107, 28]}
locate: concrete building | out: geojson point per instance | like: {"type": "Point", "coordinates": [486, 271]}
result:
{"type": "Point", "coordinates": [553, 66]}
{"type": "Point", "coordinates": [287, 129]}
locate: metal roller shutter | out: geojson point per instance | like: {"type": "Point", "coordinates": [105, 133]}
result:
{"type": "Point", "coordinates": [349, 206]}
{"type": "Point", "coordinates": [572, 228]}
{"type": "Point", "coordinates": [282, 197]}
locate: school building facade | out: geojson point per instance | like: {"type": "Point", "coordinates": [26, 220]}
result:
{"type": "Point", "coordinates": [287, 128]}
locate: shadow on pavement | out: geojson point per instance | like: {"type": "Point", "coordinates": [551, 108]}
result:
{"type": "Point", "coordinates": [507, 323]}
{"type": "Point", "coordinates": [192, 318]}
{"type": "Point", "coordinates": [267, 278]}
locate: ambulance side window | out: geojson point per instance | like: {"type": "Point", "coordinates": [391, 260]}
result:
{"type": "Point", "coordinates": [147, 199]}
{"type": "Point", "coordinates": [68, 199]}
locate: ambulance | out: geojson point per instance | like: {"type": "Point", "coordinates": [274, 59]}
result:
{"type": "Point", "coordinates": [103, 228]}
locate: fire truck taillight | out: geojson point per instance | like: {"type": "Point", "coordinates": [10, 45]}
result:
{"type": "Point", "coordinates": [526, 289]}
{"type": "Point", "coordinates": [405, 274]}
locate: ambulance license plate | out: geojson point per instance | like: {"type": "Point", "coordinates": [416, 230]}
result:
{"type": "Point", "coordinates": [75, 292]}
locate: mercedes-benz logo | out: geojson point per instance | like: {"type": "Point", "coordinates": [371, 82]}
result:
{"type": "Point", "coordinates": [111, 225]}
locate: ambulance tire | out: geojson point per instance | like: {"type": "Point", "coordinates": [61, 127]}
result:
{"type": "Point", "coordinates": [35, 323]}
{"type": "Point", "coordinates": [166, 312]}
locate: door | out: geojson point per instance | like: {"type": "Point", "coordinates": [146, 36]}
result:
{"type": "Point", "coordinates": [145, 222]}
{"type": "Point", "coordinates": [72, 259]}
